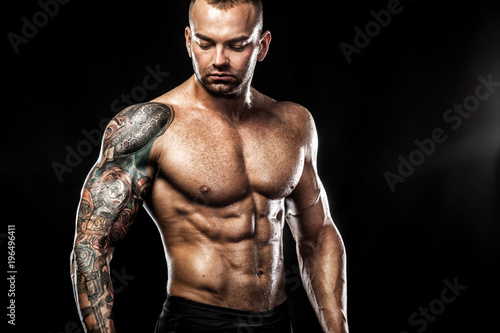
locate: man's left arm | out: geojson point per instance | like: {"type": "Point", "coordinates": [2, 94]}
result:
{"type": "Point", "coordinates": [320, 249]}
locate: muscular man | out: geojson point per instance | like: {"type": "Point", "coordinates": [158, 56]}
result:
{"type": "Point", "coordinates": [220, 167]}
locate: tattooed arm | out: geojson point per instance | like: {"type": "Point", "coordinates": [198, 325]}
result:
{"type": "Point", "coordinates": [111, 197]}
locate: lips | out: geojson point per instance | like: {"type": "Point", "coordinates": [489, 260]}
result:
{"type": "Point", "coordinates": [221, 76]}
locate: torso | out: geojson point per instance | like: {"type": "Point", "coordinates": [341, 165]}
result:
{"type": "Point", "coordinates": [218, 199]}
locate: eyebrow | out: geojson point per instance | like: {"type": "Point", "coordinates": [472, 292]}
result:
{"type": "Point", "coordinates": [231, 41]}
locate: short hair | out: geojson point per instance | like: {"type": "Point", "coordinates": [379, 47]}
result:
{"type": "Point", "coordinates": [228, 4]}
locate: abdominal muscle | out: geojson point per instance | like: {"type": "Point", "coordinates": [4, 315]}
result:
{"type": "Point", "coordinates": [228, 276]}
{"type": "Point", "coordinates": [230, 256]}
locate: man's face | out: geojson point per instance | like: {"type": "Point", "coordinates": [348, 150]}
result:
{"type": "Point", "coordinates": [224, 46]}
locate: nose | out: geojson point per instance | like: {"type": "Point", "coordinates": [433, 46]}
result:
{"type": "Point", "coordinates": [220, 59]}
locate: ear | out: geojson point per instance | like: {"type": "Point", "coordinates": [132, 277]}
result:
{"type": "Point", "coordinates": [187, 33]}
{"type": "Point", "coordinates": [265, 40]}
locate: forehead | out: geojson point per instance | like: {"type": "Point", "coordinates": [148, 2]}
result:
{"type": "Point", "coordinates": [241, 20]}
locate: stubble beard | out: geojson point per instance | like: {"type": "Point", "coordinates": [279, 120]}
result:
{"type": "Point", "coordinates": [220, 88]}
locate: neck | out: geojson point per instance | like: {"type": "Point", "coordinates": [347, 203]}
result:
{"type": "Point", "coordinates": [232, 106]}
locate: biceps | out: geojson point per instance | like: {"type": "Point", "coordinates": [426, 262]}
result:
{"type": "Point", "coordinates": [108, 206]}
{"type": "Point", "coordinates": [307, 207]}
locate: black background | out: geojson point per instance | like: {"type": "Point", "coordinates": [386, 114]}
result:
{"type": "Point", "coordinates": [440, 224]}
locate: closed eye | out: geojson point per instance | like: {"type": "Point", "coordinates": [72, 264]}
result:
{"type": "Point", "coordinates": [205, 46]}
{"type": "Point", "coordinates": [237, 48]}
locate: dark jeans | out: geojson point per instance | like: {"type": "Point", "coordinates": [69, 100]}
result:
{"type": "Point", "coordinates": [184, 316]}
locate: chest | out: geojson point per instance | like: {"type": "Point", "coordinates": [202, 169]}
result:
{"type": "Point", "coordinates": [220, 163]}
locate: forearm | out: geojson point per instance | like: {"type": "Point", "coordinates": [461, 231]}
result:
{"type": "Point", "coordinates": [323, 262]}
{"type": "Point", "coordinates": [92, 287]}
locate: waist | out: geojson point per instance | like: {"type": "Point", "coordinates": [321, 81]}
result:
{"type": "Point", "coordinates": [183, 304]}
{"type": "Point", "coordinates": [201, 316]}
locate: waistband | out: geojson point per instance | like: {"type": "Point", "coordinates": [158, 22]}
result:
{"type": "Point", "coordinates": [181, 303]}
{"type": "Point", "coordinates": [201, 316]}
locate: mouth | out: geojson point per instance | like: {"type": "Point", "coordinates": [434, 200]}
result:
{"type": "Point", "coordinates": [221, 76]}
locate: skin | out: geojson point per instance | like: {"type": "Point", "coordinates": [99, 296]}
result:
{"type": "Point", "coordinates": [220, 171]}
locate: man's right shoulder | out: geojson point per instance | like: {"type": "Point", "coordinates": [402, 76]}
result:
{"type": "Point", "coordinates": [134, 128]}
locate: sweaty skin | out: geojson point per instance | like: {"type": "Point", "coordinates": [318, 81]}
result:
{"type": "Point", "coordinates": [226, 181]}
{"type": "Point", "coordinates": [220, 168]}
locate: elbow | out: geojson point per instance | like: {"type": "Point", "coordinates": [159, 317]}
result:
{"type": "Point", "coordinates": [72, 264]}
{"type": "Point", "coordinates": [307, 248]}
{"type": "Point", "coordinates": [325, 239]}
{"type": "Point", "coordinates": [72, 261]}
{"type": "Point", "coordinates": [85, 257]}
{"type": "Point", "coordinates": [75, 267]}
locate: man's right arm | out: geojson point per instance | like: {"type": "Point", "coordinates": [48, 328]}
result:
{"type": "Point", "coordinates": [110, 200]}
{"type": "Point", "coordinates": [107, 209]}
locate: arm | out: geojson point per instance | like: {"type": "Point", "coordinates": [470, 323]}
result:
{"type": "Point", "coordinates": [110, 200]}
{"type": "Point", "coordinates": [320, 249]}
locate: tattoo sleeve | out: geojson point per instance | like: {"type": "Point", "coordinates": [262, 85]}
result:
{"type": "Point", "coordinates": [110, 199]}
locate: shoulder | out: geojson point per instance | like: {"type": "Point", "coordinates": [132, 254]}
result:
{"type": "Point", "coordinates": [134, 128]}
{"type": "Point", "coordinates": [293, 111]}
{"type": "Point", "coordinates": [289, 112]}
{"type": "Point", "coordinates": [301, 123]}
{"type": "Point", "coordinates": [297, 117]}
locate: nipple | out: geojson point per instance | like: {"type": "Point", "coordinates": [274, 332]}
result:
{"type": "Point", "coordinates": [205, 189]}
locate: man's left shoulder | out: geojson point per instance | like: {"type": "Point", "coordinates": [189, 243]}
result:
{"type": "Point", "coordinates": [296, 115]}
{"type": "Point", "coordinates": [291, 109]}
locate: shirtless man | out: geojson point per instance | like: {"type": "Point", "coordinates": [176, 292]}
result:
{"type": "Point", "coordinates": [220, 167]}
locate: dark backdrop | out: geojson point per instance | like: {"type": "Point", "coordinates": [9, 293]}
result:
{"type": "Point", "coordinates": [406, 245]}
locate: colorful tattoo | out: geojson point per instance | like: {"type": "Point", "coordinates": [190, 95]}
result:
{"type": "Point", "coordinates": [111, 197]}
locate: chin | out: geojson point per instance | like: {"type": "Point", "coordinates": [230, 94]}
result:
{"type": "Point", "coordinates": [222, 89]}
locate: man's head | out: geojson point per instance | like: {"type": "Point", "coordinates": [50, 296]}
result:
{"type": "Point", "coordinates": [225, 40]}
